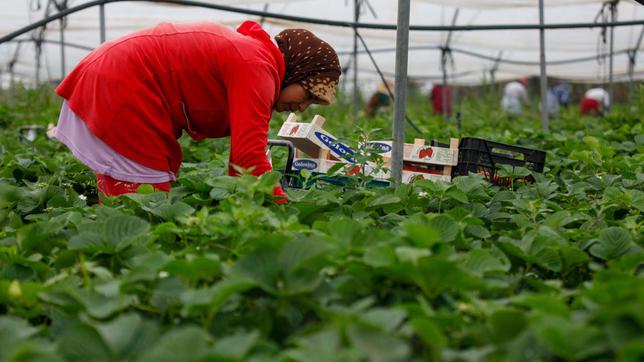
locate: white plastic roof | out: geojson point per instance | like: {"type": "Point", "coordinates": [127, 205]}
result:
{"type": "Point", "coordinates": [424, 64]}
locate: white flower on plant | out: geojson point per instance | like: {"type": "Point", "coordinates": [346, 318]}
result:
{"type": "Point", "coordinates": [163, 274]}
{"type": "Point", "coordinates": [82, 197]}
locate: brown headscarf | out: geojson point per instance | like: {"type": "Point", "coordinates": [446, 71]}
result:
{"type": "Point", "coordinates": [310, 62]}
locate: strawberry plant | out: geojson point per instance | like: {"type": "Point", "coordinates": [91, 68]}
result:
{"type": "Point", "coordinates": [214, 270]}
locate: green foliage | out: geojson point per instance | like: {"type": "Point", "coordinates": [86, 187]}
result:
{"type": "Point", "coordinates": [215, 270]}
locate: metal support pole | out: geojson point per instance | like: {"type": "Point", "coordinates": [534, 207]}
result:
{"type": "Point", "coordinates": [444, 88]}
{"type": "Point", "coordinates": [62, 48]}
{"type": "Point", "coordinates": [631, 69]}
{"type": "Point", "coordinates": [356, 101]}
{"type": "Point", "coordinates": [38, 54]}
{"type": "Point", "coordinates": [613, 16]}
{"type": "Point", "coordinates": [262, 19]}
{"type": "Point", "coordinates": [101, 15]}
{"type": "Point", "coordinates": [445, 53]}
{"type": "Point", "coordinates": [544, 77]}
{"type": "Point", "coordinates": [495, 67]}
{"type": "Point", "coordinates": [400, 86]}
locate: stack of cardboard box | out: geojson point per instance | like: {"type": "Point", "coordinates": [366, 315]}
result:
{"type": "Point", "coordinates": [419, 161]}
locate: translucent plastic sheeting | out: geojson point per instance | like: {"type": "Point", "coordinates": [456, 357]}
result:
{"type": "Point", "coordinates": [487, 4]}
{"type": "Point", "coordinates": [424, 65]}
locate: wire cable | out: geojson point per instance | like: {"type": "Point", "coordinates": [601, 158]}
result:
{"type": "Point", "coordinates": [384, 81]}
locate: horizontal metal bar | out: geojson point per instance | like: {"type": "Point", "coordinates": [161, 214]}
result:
{"type": "Point", "coordinates": [345, 24]}
{"type": "Point", "coordinates": [67, 44]}
{"type": "Point", "coordinates": [491, 58]}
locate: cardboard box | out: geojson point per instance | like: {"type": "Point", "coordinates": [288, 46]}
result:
{"type": "Point", "coordinates": [312, 140]}
{"type": "Point", "coordinates": [418, 153]}
{"type": "Point", "coordinates": [409, 176]}
{"type": "Point", "coordinates": [323, 166]}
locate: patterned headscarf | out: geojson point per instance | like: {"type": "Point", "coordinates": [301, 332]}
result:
{"type": "Point", "coordinates": [310, 62]}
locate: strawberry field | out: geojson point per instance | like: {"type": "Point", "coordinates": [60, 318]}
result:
{"type": "Point", "coordinates": [551, 270]}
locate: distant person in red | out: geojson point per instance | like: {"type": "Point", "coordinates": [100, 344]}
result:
{"type": "Point", "coordinates": [380, 98]}
{"type": "Point", "coordinates": [595, 101]}
{"type": "Point", "coordinates": [128, 101]}
{"type": "Point", "coordinates": [437, 94]}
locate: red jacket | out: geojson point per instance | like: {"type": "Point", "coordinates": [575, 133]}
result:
{"type": "Point", "coordinates": [138, 93]}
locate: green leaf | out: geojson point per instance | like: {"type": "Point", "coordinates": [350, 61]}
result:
{"type": "Point", "coordinates": [176, 211]}
{"type": "Point", "coordinates": [457, 195]}
{"type": "Point", "coordinates": [110, 235]}
{"type": "Point", "coordinates": [120, 228]}
{"type": "Point", "coordinates": [555, 333]}
{"type": "Point", "coordinates": [287, 270]}
{"type": "Point", "coordinates": [199, 268]}
{"type": "Point", "coordinates": [179, 344]}
{"type": "Point", "coordinates": [81, 342]}
{"type": "Point", "coordinates": [481, 261]}
{"type": "Point", "coordinates": [384, 200]}
{"type": "Point", "coordinates": [335, 168]}
{"type": "Point", "coordinates": [548, 304]}
{"type": "Point", "coordinates": [572, 257]}
{"type": "Point", "coordinates": [446, 226]}
{"type": "Point", "coordinates": [423, 235]}
{"type": "Point", "coordinates": [435, 276]}
{"type": "Point", "coordinates": [430, 333]}
{"type": "Point", "coordinates": [379, 256]}
{"type": "Point", "coordinates": [90, 242]}
{"type": "Point", "coordinates": [99, 305]}
{"type": "Point", "coordinates": [270, 179]}
{"type": "Point", "coordinates": [506, 324]}
{"type": "Point", "coordinates": [235, 347]}
{"type": "Point", "coordinates": [613, 243]}
{"type": "Point", "coordinates": [469, 183]}
{"type": "Point", "coordinates": [145, 189]}
{"type": "Point", "coordinates": [387, 320]}
{"type": "Point", "coordinates": [128, 335]}
{"type": "Point", "coordinates": [477, 231]}
{"type": "Point", "coordinates": [549, 258]}
{"type": "Point", "coordinates": [379, 347]}
{"type": "Point", "coordinates": [322, 346]}
{"type": "Point", "coordinates": [13, 331]}
{"type": "Point", "coordinates": [408, 254]}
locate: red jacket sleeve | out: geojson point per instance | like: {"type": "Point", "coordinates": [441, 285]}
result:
{"type": "Point", "coordinates": [251, 94]}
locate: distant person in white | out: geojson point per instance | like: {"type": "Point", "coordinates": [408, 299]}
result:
{"type": "Point", "coordinates": [595, 101]}
{"type": "Point", "coordinates": [514, 95]}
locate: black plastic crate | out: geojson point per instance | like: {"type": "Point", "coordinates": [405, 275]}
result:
{"type": "Point", "coordinates": [477, 155]}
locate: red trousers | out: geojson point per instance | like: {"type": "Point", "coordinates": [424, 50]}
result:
{"type": "Point", "coordinates": [590, 105]}
{"type": "Point", "coordinates": [112, 187]}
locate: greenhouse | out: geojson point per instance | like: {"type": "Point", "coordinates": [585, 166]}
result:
{"type": "Point", "coordinates": [307, 180]}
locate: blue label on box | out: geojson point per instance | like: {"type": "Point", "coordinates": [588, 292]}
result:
{"type": "Point", "coordinates": [305, 165]}
{"type": "Point", "coordinates": [378, 147]}
{"type": "Point", "coordinates": [339, 149]}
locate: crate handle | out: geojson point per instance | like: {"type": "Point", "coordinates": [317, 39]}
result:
{"type": "Point", "coordinates": [515, 155]}
{"type": "Point", "coordinates": [489, 156]}
{"type": "Point", "coordinates": [289, 159]}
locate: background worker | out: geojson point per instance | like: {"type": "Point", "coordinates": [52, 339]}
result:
{"type": "Point", "coordinates": [380, 98]}
{"type": "Point", "coordinates": [595, 101]}
{"type": "Point", "coordinates": [128, 101]}
{"type": "Point", "coordinates": [514, 95]}
{"type": "Point", "coordinates": [441, 98]}
{"type": "Point", "coordinates": [552, 103]}
{"type": "Point", "coordinates": [563, 93]}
